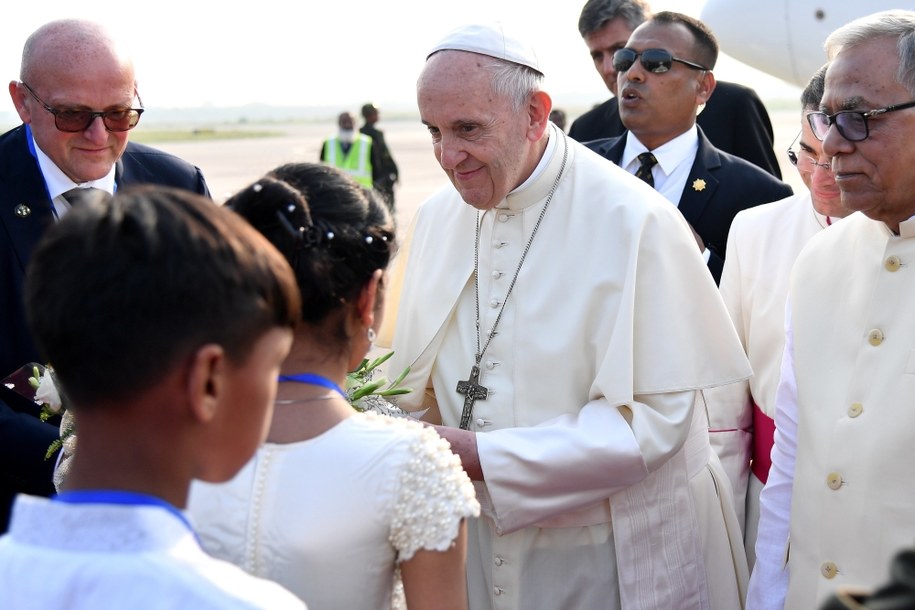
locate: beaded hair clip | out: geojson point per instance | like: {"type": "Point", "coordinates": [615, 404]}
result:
{"type": "Point", "coordinates": [311, 236]}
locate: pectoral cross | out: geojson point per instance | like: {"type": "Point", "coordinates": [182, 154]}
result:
{"type": "Point", "coordinates": [472, 391]}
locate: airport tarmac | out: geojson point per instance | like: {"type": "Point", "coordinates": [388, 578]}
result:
{"type": "Point", "coordinates": [230, 165]}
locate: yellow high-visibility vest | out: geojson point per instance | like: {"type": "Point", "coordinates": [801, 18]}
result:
{"type": "Point", "coordinates": [357, 161]}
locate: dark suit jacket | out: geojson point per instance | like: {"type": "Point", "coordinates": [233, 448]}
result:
{"type": "Point", "coordinates": [734, 120]}
{"type": "Point", "coordinates": [25, 213]}
{"type": "Point", "coordinates": [728, 184]}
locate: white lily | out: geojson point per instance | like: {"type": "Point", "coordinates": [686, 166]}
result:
{"type": "Point", "coordinates": [47, 393]}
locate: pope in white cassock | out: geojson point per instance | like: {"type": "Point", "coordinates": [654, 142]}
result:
{"type": "Point", "coordinates": [562, 320]}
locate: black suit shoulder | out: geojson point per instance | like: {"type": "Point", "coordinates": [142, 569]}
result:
{"type": "Point", "coordinates": [719, 185]}
{"type": "Point", "coordinates": [736, 121]}
{"type": "Point", "coordinates": [142, 164]}
{"type": "Point", "coordinates": [744, 177]}
{"type": "Point", "coordinates": [602, 121]}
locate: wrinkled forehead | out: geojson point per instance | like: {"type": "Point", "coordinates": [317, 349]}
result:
{"type": "Point", "coordinates": [443, 66]}
{"type": "Point", "coordinates": [864, 77]}
{"type": "Point", "coordinates": [457, 75]}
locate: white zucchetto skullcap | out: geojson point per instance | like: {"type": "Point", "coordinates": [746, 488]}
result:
{"type": "Point", "coordinates": [489, 39]}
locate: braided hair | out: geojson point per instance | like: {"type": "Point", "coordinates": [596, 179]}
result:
{"type": "Point", "coordinates": [334, 233]}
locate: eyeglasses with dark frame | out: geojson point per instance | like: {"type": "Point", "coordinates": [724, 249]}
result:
{"type": "Point", "coordinates": [656, 61]}
{"type": "Point", "coordinates": [852, 124]}
{"type": "Point", "coordinates": [73, 121]}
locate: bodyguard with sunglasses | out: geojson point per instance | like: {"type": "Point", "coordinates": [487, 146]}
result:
{"type": "Point", "coordinates": [734, 119]}
{"type": "Point", "coordinates": [848, 369]}
{"type": "Point", "coordinates": [664, 76]}
{"type": "Point", "coordinates": [77, 98]}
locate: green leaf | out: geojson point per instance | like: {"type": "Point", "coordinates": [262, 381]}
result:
{"type": "Point", "coordinates": [394, 391]}
{"type": "Point", "coordinates": [379, 361]}
{"type": "Point", "coordinates": [400, 378]}
{"type": "Point", "coordinates": [52, 448]}
{"type": "Point", "coordinates": [367, 389]}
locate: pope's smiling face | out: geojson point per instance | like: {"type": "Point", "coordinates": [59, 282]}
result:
{"type": "Point", "coordinates": [483, 142]}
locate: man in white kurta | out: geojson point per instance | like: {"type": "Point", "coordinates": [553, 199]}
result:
{"type": "Point", "coordinates": [766, 241]}
{"type": "Point", "coordinates": [91, 556]}
{"type": "Point", "coordinates": [599, 488]}
{"type": "Point", "coordinates": [763, 244]}
{"type": "Point", "coordinates": [844, 411]}
{"type": "Point", "coordinates": [850, 449]}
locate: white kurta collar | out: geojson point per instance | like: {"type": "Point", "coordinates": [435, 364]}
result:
{"type": "Point", "coordinates": [907, 227]}
{"type": "Point", "coordinates": [97, 527]}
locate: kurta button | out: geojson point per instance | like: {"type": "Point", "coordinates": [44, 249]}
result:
{"type": "Point", "coordinates": [497, 274]}
{"type": "Point", "coordinates": [855, 409]}
{"type": "Point", "coordinates": [829, 569]}
{"type": "Point", "coordinates": [480, 422]}
{"type": "Point", "coordinates": [498, 244]}
{"type": "Point", "coordinates": [499, 561]}
{"type": "Point", "coordinates": [497, 591]}
{"type": "Point", "coordinates": [892, 263]}
{"type": "Point", "coordinates": [490, 364]}
{"type": "Point", "coordinates": [834, 480]}
{"type": "Point", "coordinates": [494, 303]}
{"type": "Point", "coordinates": [503, 217]}
{"type": "Point", "coordinates": [875, 337]}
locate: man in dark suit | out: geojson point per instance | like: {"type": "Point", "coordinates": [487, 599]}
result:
{"type": "Point", "coordinates": [734, 119]}
{"type": "Point", "coordinates": [76, 98]}
{"type": "Point", "coordinates": [384, 170]}
{"type": "Point", "coordinates": [665, 74]}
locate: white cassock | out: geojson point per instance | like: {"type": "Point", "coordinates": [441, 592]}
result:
{"type": "Point", "coordinates": [613, 325]}
{"type": "Point", "coordinates": [91, 556]}
{"type": "Point", "coordinates": [763, 243]}
{"type": "Point", "coordinates": [852, 346]}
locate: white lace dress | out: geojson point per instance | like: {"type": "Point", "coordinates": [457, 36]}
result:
{"type": "Point", "coordinates": [331, 518]}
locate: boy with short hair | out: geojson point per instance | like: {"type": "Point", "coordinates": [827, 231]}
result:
{"type": "Point", "coordinates": [166, 319]}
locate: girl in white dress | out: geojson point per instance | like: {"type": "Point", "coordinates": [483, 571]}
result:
{"type": "Point", "coordinates": [338, 506]}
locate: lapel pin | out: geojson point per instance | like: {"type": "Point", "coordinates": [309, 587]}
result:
{"type": "Point", "coordinates": [699, 185]}
{"type": "Point", "coordinates": [22, 210]}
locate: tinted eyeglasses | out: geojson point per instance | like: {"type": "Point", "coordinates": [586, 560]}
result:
{"type": "Point", "coordinates": [656, 61]}
{"type": "Point", "coordinates": [852, 124]}
{"type": "Point", "coordinates": [805, 162]}
{"type": "Point", "coordinates": [72, 121]}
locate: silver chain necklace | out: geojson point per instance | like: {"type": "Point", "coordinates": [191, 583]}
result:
{"type": "Point", "coordinates": [471, 388]}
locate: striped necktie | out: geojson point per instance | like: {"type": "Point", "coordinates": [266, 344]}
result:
{"type": "Point", "coordinates": [647, 161]}
{"type": "Point", "coordinates": [78, 195]}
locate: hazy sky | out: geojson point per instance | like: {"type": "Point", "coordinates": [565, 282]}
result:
{"type": "Point", "coordinates": [331, 52]}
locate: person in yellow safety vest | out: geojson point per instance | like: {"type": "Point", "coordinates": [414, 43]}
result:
{"type": "Point", "coordinates": [350, 151]}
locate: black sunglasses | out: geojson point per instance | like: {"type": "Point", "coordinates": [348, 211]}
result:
{"type": "Point", "coordinates": [852, 124]}
{"type": "Point", "coordinates": [73, 121]}
{"type": "Point", "coordinates": [656, 61]}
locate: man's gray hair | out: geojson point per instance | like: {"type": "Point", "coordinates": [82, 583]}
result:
{"type": "Point", "coordinates": [898, 24]}
{"type": "Point", "coordinates": [598, 12]}
{"type": "Point", "coordinates": [513, 81]}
